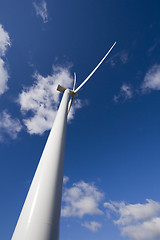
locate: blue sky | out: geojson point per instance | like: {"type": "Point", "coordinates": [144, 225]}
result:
{"type": "Point", "coordinates": [111, 184]}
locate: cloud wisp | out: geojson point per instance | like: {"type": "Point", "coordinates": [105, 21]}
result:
{"type": "Point", "coordinates": [9, 126]}
{"type": "Point", "coordinates": [154, 46]}
{"type": "Point", "coordinates": [93, 225]}
{"type": "Point", "coordinates": [4, 44]}
{"type": "Point", "coordinates": [151, 82]}
{"type": "Point", "coordinates": [80, 200]}
{"type": "Point", "coordinates": [137, 221]}
{"type": "Point", "coordinates": [41, 10]}
{"type": "Point", "coordinates": [126, 93]}
{"type": "Point", "coordinates": [40, 101]}
{"type": "Point", "coordinates": [152, 79]}
{"type": "Point", "coordinates": [121, 57]}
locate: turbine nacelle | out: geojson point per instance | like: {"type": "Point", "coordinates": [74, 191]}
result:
{"type": "Point", "coordinates": [62, 89]}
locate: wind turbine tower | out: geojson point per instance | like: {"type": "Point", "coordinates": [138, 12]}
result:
{"type": "Point", "coordinates": [40, 215]}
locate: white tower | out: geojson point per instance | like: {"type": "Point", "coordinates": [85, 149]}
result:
{"type": "Point", "coordinates": [40, 215]}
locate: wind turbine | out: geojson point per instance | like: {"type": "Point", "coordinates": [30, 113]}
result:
{"type": "Point", "coordinates": [40, 215]}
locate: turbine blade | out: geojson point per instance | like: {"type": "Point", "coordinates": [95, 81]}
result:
{"type": "Point", "coordinates": [71, 100]}
{"type": "Point", "coordinates": [74, 84]}
{"type": "Point", "coordinates": [81, 85]}
{"type": "Point", "coordinates": [70, 104]}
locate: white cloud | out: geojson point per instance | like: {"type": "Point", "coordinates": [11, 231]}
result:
{"type": "Point", "coordinates": [4, 44]}
{"type": "Point", "coordinates": [41, 10]}
{"type": "Point", "coordinates": [4, 41]}
{"type": "Point", "coordinates": [152, 79]}
{"type": "Point", "coordinates": [93, 226]}
{"type": "Point", "coordinates": [146, 230]}
{"type": "Point", "coordinates": [65, 179]}
{"type": "Point", "coordinates": [151, 82]}
{"type": "Point", "coordinates": [41, 100]}
{"type": "Point", "coordinates": [3, 77]}
{"type": "Point", "coordinates": [81, 199]}
{"type": "Point", "coordinates": [137, 221]}
{"type": "Point", "coordinates": [125, 93]}
{"type": "Point", "coordinates": [9, 126]}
